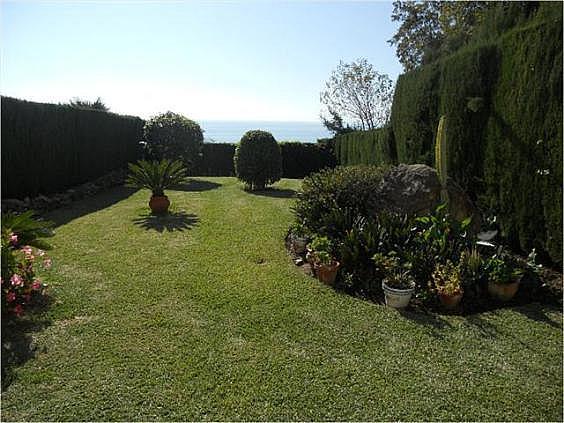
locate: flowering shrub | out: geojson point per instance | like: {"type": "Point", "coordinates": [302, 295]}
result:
{"type": "Point", "coordinates": [20, 285]}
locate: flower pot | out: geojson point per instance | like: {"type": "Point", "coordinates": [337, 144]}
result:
{"type": "Point", "coordinates": [327, 273]}
{"type": "Point", "coordinates": [503, 291]}
{"type": "Point", "coordinates": [159, 204]}
{"type": "Point", "coordinates": [397, 298]}
{"type": "Point", "coordinates": [299, 245]}
{"type": "Point", "coordinates": [450, 301]}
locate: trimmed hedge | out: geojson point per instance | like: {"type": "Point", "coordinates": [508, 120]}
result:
{"type": "Point", "coordinates": [302, 159]}
{"type": "Point", "coordinates": [47, 148]}
{"type": "Point", "coordinates": [503, 102]}
{"type": "Point", "coordinates": [216, 160]}
{"type": "Point", "coordinates": [375, 147]}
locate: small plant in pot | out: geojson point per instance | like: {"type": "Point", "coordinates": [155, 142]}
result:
{"type": "Point", "coordinates": [298, 237]}
{"type": "Point", "coordinates": [447, 284]}
{"type": "Point", "coordinates": [326, 267]}
{"type": "Point", "coordinates": [156, 176]}
{"type": "Point", "coordinates": [503, 276]}
{"type": "Point", "coordinates": [398, 284]}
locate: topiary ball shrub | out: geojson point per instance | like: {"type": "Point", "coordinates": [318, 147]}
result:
{"type": "Point", "coordinates": [257, 160]}
{"type": "Point", "coordinates": [172, 136]}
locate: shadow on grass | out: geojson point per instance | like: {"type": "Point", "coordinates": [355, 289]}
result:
{"type": "Point", "coordinates": [275, 193]}
{"type": "Point", "coordinates": [196, 185]}
{"type": "Point", "coordinates": [89, 205]}
{"type": "Point", "coordinates": [18, 345]}
{"type": "Point", "coordinates": [170, 222]}
{"type": "Point", "coordinates": [539, 313]}
{"type": "Point", "coordinates": [434, 322]}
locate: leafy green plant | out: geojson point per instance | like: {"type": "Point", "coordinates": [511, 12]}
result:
{"type": "Point", "coordinates": [321, 250]}
{"type": "Point", "coordinates": [258, 161]}
{"type": "Point", "coordinates": [447, 279]}
{"type": "Point", "coordinates": [28, 229]}
{"type": "Point", "coordinates": [174, 137]}
{"type": "Point", "coordinates": [501, 268]}
{"type": "Point", "coordinates": [441, 157]}
{"type": "Point", "coordinates": [156, 175]}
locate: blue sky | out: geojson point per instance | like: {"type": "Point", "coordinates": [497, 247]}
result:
{"type": "Point", "coordinates": [208, 60]}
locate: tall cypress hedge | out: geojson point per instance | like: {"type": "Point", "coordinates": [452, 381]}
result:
{"type": "Point", "coordinates": [48, 148]}
{"type": "Point", "coordinates": [503, 102]}
{"type": "Point", "coordinates": [300, 159]}
{"type": "Point", "coordinates": [375, 147]}
{"type": "Point", "coordinates": [216, 160]}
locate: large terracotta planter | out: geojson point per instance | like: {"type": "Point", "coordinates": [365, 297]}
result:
{"type": "Point", "coordinates": [503, 291]}
{"type": "Point", "coordinates": [397, 298]}
{"type": "Point", "coordinates": [450, 301]}
{"type": "Point", "coordinates": [327, 273]}
{"type": "Point", "coordinates": [159, 204]}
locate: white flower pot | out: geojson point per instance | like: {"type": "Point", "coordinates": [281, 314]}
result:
{"type": "Point", "coordinates": [397, 298]}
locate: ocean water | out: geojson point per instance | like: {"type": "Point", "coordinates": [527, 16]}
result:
{"type": "Point", "coordinates": [232, 131]}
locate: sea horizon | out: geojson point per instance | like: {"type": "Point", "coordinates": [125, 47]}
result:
{"type": "Point", "coordinates": [231, 131]}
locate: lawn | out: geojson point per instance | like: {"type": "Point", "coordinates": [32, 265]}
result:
{"type": "Point", "coordinates": [203, 316]}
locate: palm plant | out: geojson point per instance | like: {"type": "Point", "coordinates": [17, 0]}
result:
{"type": "Point", "coordinates": [156, 175]}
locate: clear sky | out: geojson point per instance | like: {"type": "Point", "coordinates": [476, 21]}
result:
{"type": "Point", "coordinates": [245, 60]}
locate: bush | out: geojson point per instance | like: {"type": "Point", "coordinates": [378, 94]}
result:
{"type": "Point", "coordinates": [374, 147]}
{"type": "Point", "coordinates": [216, 160]}
{"type": "Point", "coordinates": [173, 136]}
{"type": "Point", "coordinates": [21, 252]}
{"type": "Point", "coordinates": [332, 198]}
{"type": "Point", "coordinates": [48, 148]}
{"type": "Point", "coordinates": [300, 159]}
{"type": "Point", "coordinates": [257, 160]}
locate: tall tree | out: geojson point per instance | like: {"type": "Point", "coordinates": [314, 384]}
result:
{"type": "Point", "coordinates": [356, 95]}
{"type": "Point", "coordinates": [430, 28]}
{"type": "Point", "coordinates": [78, 103]}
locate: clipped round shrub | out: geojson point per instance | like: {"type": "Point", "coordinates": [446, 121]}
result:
{"type": "Point", "coordinates": [172, 136]}
{"type": "Point", "coordinates": [257, 160]}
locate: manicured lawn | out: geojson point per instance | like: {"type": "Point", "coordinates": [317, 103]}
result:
{"type": "Point", "coordinates": [203, 316]}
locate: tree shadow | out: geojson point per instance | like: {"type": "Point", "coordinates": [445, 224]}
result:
{"type": "Point", "coordinates": [18, 344]}
{"type": "Point", "coordinates": [276, 193]}
{"type": "Point", "coordinates": [196, 185]}
{"type": "Point", "coordinates": [170, 222]}
{"type": "Point", "coordinates": [539, 313]}
{"type": "Point", "coordinates": [435, 323]}
{"type": "Point", "coordinates": [89, 205]}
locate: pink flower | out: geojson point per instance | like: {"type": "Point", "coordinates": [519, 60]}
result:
{"type": "Point", "coordinates": [18, 310]}
{"type": "Point", "coordinates": [27, 250]}
{"type": "Point", "coordinates": [47, 263]}
{"type": "Point", "coordinates": [36, 285]}
{"type": "Point", "coordinates": [13, 238]}
{"type": "Point", "coordinates": [11, 297]}
{"type": "Point", "coordinates": [16, 280]}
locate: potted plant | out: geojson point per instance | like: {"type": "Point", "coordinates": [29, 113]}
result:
{"type": "Point", "coordinates": [325, 266]}
{"type": "Point", "coordinates": [447, 284]}
{"type": "Point", "coordinates": [156, 176]}
{"type": "Point", "coordinates": [298, 236]}
{"type": "Point", "coordinates": [397, 283]}
{"type": "Point", "coordinates": [503, 277]}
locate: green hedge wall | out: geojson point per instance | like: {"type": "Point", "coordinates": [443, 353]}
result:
{"type": "Point", "coordinates": [48, 148]}
{"type": "Point", "coordinates": [299, 159]}
{"type": "Point", "coordinates": [375, 147]}
{"type": "Point", "coordinates": [216, 160]}
{"type": "Point", "coordinates": [503, 102]}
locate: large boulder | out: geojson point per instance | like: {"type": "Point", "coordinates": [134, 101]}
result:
{"type": "Point", "coordinates": [416, 190]}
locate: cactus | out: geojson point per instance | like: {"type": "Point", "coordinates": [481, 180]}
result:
{"type": "Point", "coordinates": [441, 157]}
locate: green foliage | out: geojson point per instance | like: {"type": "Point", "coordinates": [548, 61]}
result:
{"type": "Point", "coordinates": [301, 159]}
{"type": "Point", "coordinates": [156, 175]}
{"type": "Point", "coordinates": [47, 148]}
{"type": "Point", "coordinates": [374, 147]}
{"type": "Point", "coordinates": [332, 198]}
{"type": "Point", "coordinates": [29, 229]}
{"type": "Point", "coordinates": [502, 268]}
{"type": "Point", "coordinates": [440, 152]}
{"type": "Point", "coordinates": [77, 103]}
{"type": "Point", "coordinates": [257, 160]}
{"type": "Point", "coordinates": [216, 160]}
{"type": "Point", "coordinates": [447, 279]}
{"type": "Point", "coordinates": [173, 136]}
{"type": "Point", "coordinates": [503, 98]}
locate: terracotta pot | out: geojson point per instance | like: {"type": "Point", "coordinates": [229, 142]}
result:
{"type": "Point", "coordinates": [327, 273]}
{"type": "Point", "coordinates": [450, 301]}
{"type": "Point", "coordinates": [159, 204]}
{"type": "Point", "coordinates": [397, 298]}
{"type": "Point", "coordinates": [503, 291]}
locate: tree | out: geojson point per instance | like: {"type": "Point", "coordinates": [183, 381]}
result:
{"type": "Point", "coordinates": [335, 123]}
{"type": "Point", "coordinates": [258, 160]}
{"type": "Point", "coordinates": [431, 28]}
{"type": "Point", "coordinates": [172, 136]}
{"type": "Point", "coordinates": [78, 103]}
{"type": "Point", "coordinates": [358, 94]}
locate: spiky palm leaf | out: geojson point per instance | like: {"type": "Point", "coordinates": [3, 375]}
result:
{"type": "Point", "coordinates": [28, 229]}
{"type": "Point", "coordinates": [156, 175]}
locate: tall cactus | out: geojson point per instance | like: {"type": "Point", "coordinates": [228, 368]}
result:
{"type": "Point", "coordinates": [441, 157]}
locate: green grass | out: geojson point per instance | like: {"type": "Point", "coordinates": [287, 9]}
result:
{"type": "Point", "coordinates": [212, 321]}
